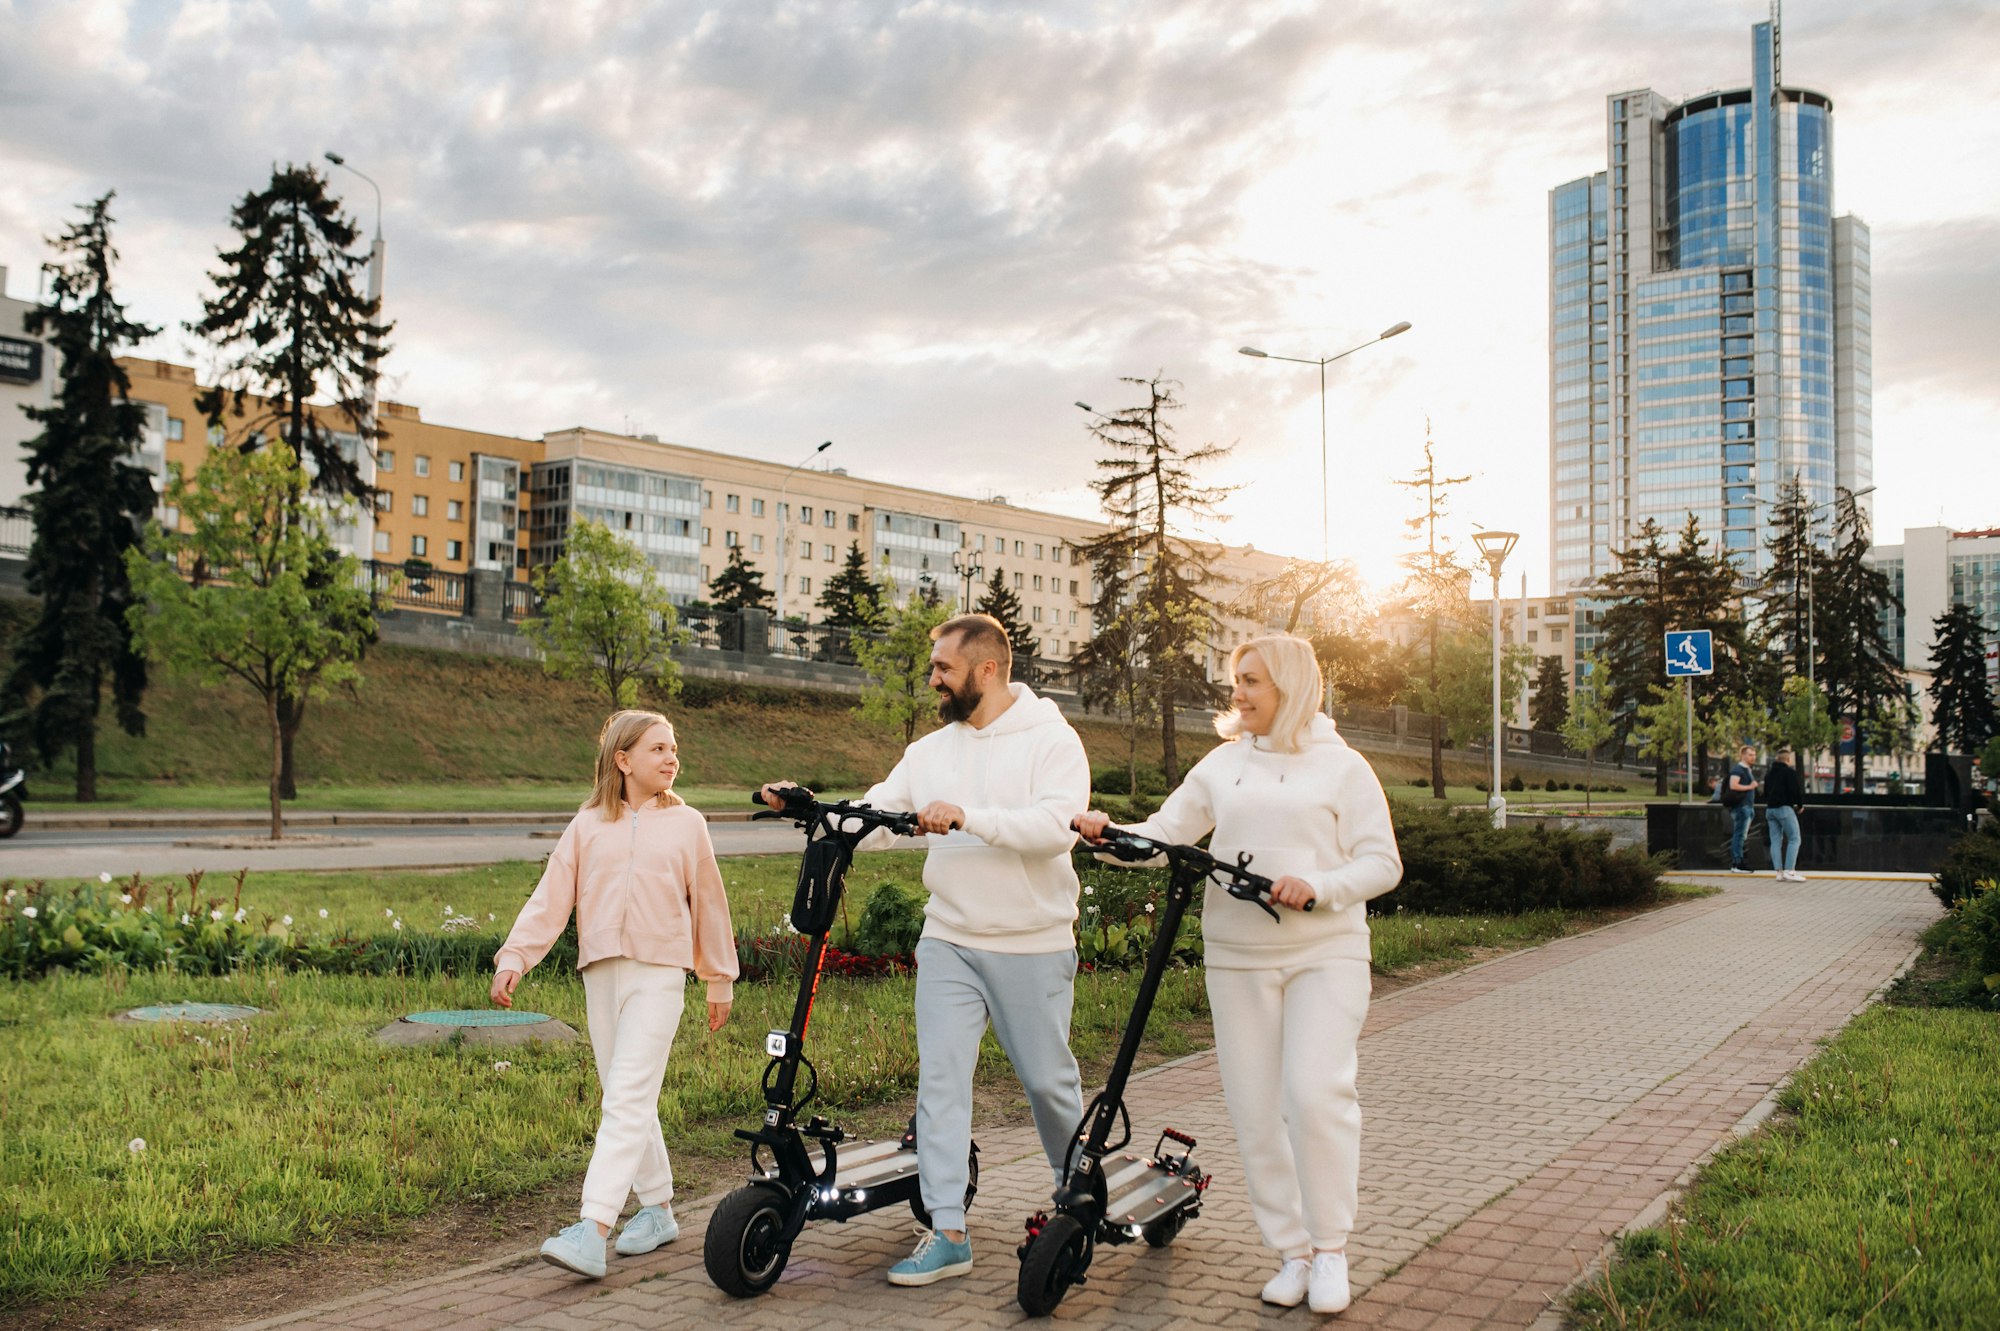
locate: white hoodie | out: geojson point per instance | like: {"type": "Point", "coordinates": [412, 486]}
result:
{"type": "Point", "coordinates": [1318, 814]}
{"type": "Point", "coordinates": [1004, 883]}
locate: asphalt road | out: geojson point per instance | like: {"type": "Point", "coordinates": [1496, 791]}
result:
{"type": "Point", "coordinates": [54, 852]}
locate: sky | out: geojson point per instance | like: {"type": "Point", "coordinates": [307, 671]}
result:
{"type": "Point", "coordinates": [926, 230]}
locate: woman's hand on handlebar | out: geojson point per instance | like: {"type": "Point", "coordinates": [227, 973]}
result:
{"type": "Point", "coordinates": [771, 797]}
{"type": "Point", "coordinates": [1090, 825]}
{"type": "Point", "coordinates": [1294, 892]}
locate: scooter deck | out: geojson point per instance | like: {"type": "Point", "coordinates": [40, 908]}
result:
{"type": "Point", "coordinates": [1140, 1190]}
{"type": "Point", "coordinates": [865, 1164]}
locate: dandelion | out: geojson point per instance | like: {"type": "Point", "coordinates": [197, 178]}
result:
{"type": "Point", "coordinates": [30, 912]}
{"type": "Point", "coordinates": [1893, 1141]}
{"type": "Point", "coordinates": [322, 912]}
{"type": "Point", "coordinates": [489, 917]}
{"type": "Point", "coordinates": [389, 914]}
{"type": "Point", "coordinates": [502, 1065]}
{"type": "Point", "coordinates": [136, 1146]}
{"type": "Point", "coordinates": [106, 878]}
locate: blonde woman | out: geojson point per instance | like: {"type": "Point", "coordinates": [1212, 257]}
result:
{"type": "Point", "coordinates": [637, 867]}
{"type": "Point", "coordinates": [1288, 998]}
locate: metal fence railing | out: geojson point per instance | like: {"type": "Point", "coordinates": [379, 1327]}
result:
{"type": "Point", "coordinates": [521, 602]}
{"type": "Point", "coordinates": [417, 586]}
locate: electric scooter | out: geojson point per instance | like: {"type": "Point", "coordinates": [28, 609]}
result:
{"type": "Point", "coordinates": [750, 1236]}
{"type": "Point", "coordinates": [13, 790]}
{"type": "Point", "coordinates": [1111, 1195]}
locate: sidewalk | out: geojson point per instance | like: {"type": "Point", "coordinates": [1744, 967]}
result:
{"type": "Point", "coordinates": [1519, 1113]}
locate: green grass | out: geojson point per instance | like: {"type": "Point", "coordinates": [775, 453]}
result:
{"type": "Point", "coordinates": [1516, 799]}
{"type": "Point", "coordinates": [1872, 1203]}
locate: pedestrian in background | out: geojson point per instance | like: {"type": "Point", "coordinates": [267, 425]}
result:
{"type": "Point", "coordinates": [1784, 797]}
{"type": "Point", "coordinates": [1739, 795]}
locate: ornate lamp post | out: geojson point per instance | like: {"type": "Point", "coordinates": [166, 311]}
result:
{"type": "Point", "coordinates": [1494, 547]}
{"type": "Point", "coordinates": [784, 512]}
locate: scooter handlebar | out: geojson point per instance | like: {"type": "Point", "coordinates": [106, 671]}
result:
{"type": "Point", "coordinates": [1236, 879]}
{"type": "Point", "coordinates": [805, 809]}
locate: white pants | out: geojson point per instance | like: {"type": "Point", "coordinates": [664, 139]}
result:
{"type": "Point", "coordinates": [633, 1009]}
{"type": "Point", "coordinates": [1285, 1041]}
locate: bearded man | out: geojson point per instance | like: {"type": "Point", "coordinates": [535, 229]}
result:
{"type": "Point", "coordinates": [996, 789]}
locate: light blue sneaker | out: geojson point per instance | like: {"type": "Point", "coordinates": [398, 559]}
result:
{"type": "Point", "coordinates": [936, 1258]}
{"type": "Point", "coordinates": [580, 1248]}
{"type": "Point", "coordinates": [650, 1227]}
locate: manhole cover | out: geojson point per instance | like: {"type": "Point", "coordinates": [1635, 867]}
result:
{"type": "Point", "coordinates": [204, 1012]}
{"type": "Point", "coordinates": [477, 1017]}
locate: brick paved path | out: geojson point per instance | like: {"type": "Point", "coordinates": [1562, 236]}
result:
{"type": "Point", "coordinates": [1517, 1114]}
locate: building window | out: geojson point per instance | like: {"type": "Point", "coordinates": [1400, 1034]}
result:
{"type": "Point", "coordinates": [454, 549]}
{"type": "Point", "coordinates": [826, 553]}
{"type": "Point", "coordinates": [854, 522]}
{"type": "Point", "coordinates": [1555, 635]}
{"type": "Point", "coordinates": [420, 506]}
{"type": "Point", "coordinates": [806, 514]}
{"type": "Point", "coordinates": [453, 510]}
{"type": "Point", "coordinates": [1018, 546]}
{"type": "Point", "coordinates": [385, 502]}
{"type": "Point", "coordinates": [729, 541]}
{"type": "Point", "coordinates": [458, 471]}
{"type": "Point", "coordinates": [705, 534]}
{"type": "Point", "coordinates": [756, 508]}
{"type": "Point", "coordinates": [1534, 635]}
{"type": "Point", "coordinates": [422, 464]}
{"type": "Point", "coordinates": [757, 543]}
{"type": "Point", "coordinates": [1038, 549]}
{"type": "Point", "coordinates": [1017, 582]}
{"type": "Point", "coordinates": [708, 499]}
{"type": "Point", "coordinates": [1038, 582]}
{"type": "Point", "coordinates": [826, 518]}
{"type": "Point", "coordinates": [982, 545]}
{"type": "Point", "coordinates": [731, 504]}
{"type": "Point", "coordinates": [176, 429]}
{"type": "Point", "coordinates": [805, 586]}
{"type": "Point", "coordinates": [385, 459]}
{"type": "Point", "coordinates": [1072, 591]}
{"type": "Point", "coordinates": [1038, 614]}
{"type": "Point", "coordinates": [420, 546]}
{"type": "Point", "coordinates": [381, 542]}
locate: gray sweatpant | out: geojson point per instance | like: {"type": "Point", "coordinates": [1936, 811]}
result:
{"type": "Point", "coordinates": [1028, 999]}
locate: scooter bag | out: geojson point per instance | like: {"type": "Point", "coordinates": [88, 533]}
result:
{"type": "Point", "coordinates": [822, 871]}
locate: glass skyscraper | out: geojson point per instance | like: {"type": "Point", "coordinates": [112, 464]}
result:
{"type": "Point", "coordinates": [1709, 323]}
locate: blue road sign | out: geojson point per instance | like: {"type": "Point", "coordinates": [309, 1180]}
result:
{"type": "Point", "coordinates": [1690, 652]}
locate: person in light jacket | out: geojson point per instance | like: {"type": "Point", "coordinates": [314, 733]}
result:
{"type": "Point", "coordinates": [1784, 801]}
{"type": "Point", "coordinates": [637, 867]}
{"type": "Point", "coordinates": [1288, 997]}
{"type": "Point", "coordinates": [997, 788]}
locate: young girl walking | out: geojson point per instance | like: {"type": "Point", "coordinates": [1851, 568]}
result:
{"type": "Point", "coordinates": [636, 866]}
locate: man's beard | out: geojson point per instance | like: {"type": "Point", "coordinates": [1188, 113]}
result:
{"type": "Point", "coordinates": [954, 706]}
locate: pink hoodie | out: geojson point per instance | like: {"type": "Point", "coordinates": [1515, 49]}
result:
{"type": "Point", "coordinates": [644, 886]}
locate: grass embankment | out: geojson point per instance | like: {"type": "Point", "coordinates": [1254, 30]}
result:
{"type": "Point", "coordinates": [298, 1128]}
{"type": "Point", "coordinates": [1868, 1202]}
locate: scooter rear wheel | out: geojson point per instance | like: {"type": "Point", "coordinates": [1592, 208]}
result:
{"type": "Point", "coordinates": [923, 1216]}
{"type": "Point", "coordinates": [1059, 1255]}
{"type": "Point", "coordinates": [1166, 1229]}
{"type": "Point", "coordinates": [744, 1252]}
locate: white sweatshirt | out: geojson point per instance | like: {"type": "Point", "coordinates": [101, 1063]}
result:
{"type": "Point", "coordinates": [1318, 814]}
{"type": "Point", "coordinates": [1004, 883]}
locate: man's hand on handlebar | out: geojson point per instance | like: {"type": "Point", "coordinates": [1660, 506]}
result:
{"type": "Point", "coordinates": [1294, 892]}
{"type": "Point", "coordinates": [770, 795]}
{"type": "Point", "coordinates": [1090, 825]}
{"type": "Point", "coordinates": [938, 816]}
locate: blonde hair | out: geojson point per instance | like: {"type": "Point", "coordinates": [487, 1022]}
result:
{"type": "Point", "coordinates": [620, 733]}
{"type": "Point", "coordinates": [1294, 669]}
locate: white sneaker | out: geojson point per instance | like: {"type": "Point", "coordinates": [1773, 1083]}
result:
{"type": "Point", "coordinates": [1329, 1283]}
{"type": "Point", "coordinates": [1287, 1289]}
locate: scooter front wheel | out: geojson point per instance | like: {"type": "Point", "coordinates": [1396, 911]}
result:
{"type": "Point", "coordinates": [1055, 1260]}
{"type": "Point", "coordinates": [745, 1251]}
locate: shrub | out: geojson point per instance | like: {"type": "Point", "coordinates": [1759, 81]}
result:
{"type": "Point", "coordinates": [1550, 785]}
{"type": "Point", "coordinates": [891, 923]}
{"type": "Point", "coordinates": [1463, 865]}
{"type": "Point", "coordinates": [1514, 782]}
{"type": "Point", "coordinates": [1420, 781]}
{"type": "Point", "coordinates": [1972, 859]}
{"type": "Point", "coordinates": [1114, 779]}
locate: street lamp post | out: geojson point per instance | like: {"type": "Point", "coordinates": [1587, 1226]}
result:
{"type": "Point", "coordinates": [376, 257]}
{"type": "Point", "coordinates": [784, 513]}
{"type": "Point", "coordinates": [1812, 636]}
{"type": "Point", "coordinates": [1322, 362]}
{"type": "Point", "coordinates": [969, 568]}
{"type": "Point", "coordinates": [1494, 547]}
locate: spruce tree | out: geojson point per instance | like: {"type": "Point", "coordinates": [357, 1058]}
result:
{"type": "Point", "coordinates": [89, 499]}
{"type": "Point", "coordinates": [851, 599]}
{"type": "Point", "coordinates": [1550, 707]}
{"type": "Point", "coordinates": [1706, 592]}
{"type": "Point", "coordinates": [1106, 667]}
{"type": "Point", "coordinates": [740, 585]}
{"type": "Point", "coordinates": [1962, 705]}
{"type": "Point", "coordinates": [1859, 668]}
{"type": "Point", "coordinates": [1796, 563]}
{"type": "Point", "coordinates": [999, 601]}
{"type": "Point", "coordinates": [1634, 628]}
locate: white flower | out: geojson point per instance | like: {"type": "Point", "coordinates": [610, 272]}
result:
{"type": "Point", "coordinates": [215, 914]}
{"type": "Point", "coordinates": [125, 897]}
{"type": "Point", "coordinates": [288, 920]}
{"type": "Point", "coordinates": [105, 878]}
{"type": "Point", "coordinates": [136, 1145]}
{"type": "Point", "coordinates": [241, 914]}
{"type": "Point", "coordinates": [1892, 1141]}
{"type": "Point", "coordinates": [322, 912]}
{"type": "Point", "coordinates": [398, 924]}
{"type": "Point", "coordinates": [1149, 908]}
{"type": "Point", "coordinates": [30, 912]}
{"type": "Point", "coordinates": [9, 897]}
{"type": "Point", "coordinates": [448, 910]}
{"type": "Point", "coordinates": [1089, 891]}
{"type": "Point", "coordinates": [184, 918]}
{"type": "Point", "coordinates": [388, 914]}
{"type": "Point", "coordinates": [502, 1065]}
{"type": "Point", "coordinates": [489, 917]}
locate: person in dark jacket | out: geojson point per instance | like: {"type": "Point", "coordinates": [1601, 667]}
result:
{"type": "Point", "coordinates": [1784, 797]}
{"type": "Point", "coordinates": [1739, 796]}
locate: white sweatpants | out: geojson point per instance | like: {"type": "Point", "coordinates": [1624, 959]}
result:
{"type": "Point", "coordinates": [1285, 1041]}
{"type": "Point", "coordinates": [633, 1009]}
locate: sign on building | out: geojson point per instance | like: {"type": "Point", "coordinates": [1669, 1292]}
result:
{"type": "Point", "coordinates": [20, 360]}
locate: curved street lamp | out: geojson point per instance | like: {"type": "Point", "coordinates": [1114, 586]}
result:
{"type": "Point", "coordinates": [784, 512]}
{"type": "Point", "coordinates": [1323, 361]}
{"type": "Point", "coordinates": [1494, 547]}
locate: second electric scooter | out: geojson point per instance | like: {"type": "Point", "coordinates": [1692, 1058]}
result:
{"type": "Point", "coordinates": [750, 1236]}
{"type": "Point", "coordinates": [1112, 1195]}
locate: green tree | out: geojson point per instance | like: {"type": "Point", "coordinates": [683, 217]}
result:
{"type": "Point", "coordinates": [89, 501]}
{"type": "Point", "coordinates": [1362, 670]}
{"type": "Point", "coordinates": [1706, 592]}
{"type": "Point", "coordinates": [1804, 720]}
{"type": "Point", "coordinates": [739, 586]}
{"type": "Point", "coordinates": [1962, 707]}
{"type": "Point", "coordinates": [1550, 707]}
{"type": "Point", "coordinates": [1147, 485]}
{"type": "Point", "coordinates": [266, 599]}
{"type": "Point", "coordinates": [999, 601]}
{"type": "Point", "coordinates": [1658, 725]}
{"type": "Point", "coordinates": [1859, 667]}
{"type": "Point", "coordinates": [1796, 563]}
{"type": "Point", "coordinates": [1589, 725]}
{"type": "Point", "coordinates": [1464, 693]}
{"type": "Point", "coordinates": [1634, 625]}
{"type": "Point", "coordinates": [1894, 727]}
{"type": "Point", "coordinates": [1321, 595]}
{"type": "Point", "coordinates": [605, 620]}
{"type": "Point", "coordinates": [1107, 666]}
{"type": "Point", "coordinates": [851, 599]}
{"type": "Point", "coordinates": [1439, 586]}
{"type": "Point", "coordinates": [898, 665]}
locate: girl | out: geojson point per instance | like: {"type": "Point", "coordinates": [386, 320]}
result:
{"type": "Point", "coordinates": [637, 867]}
{"type": "Point", "coordinates": [1288, 998]}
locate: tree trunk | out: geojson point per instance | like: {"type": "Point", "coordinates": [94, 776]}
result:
{"type": "Point", "coordinates": [291, 715]}
{"type": "Point", "coordinates": [1589, 778]}
{"type": "Point", "coordinates": [277, 765]}
{"type": "Point", "coordinates": [1437, 738]}
{"type": "Point", "coordinates": [86, 765]}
